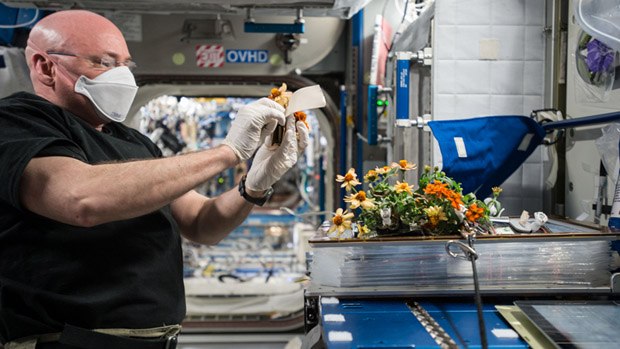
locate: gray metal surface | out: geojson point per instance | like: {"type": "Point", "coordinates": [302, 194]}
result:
{"type": "Point", "coordinates": [588, 324]}
{"type": "Point", "coordinates": [282, 7]}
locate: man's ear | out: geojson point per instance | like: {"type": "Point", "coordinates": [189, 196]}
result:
{"type": "Point", "coordinates": [45, 69]}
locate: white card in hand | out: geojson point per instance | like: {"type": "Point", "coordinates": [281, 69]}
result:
{"type": "Point", "coordinates": [309, 97]}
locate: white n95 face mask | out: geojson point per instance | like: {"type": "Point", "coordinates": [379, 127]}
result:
{"type": "Point", "coordinates": [111, 92]}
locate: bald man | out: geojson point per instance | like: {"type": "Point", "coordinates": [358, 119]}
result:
{"type": "Point", "coordinates": [90, 248]}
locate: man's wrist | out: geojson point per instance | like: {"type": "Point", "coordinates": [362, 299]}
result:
{"type": "Point", "coordinates": [254, 196]}
{"type": "Point", "coordinates": [231, 156]}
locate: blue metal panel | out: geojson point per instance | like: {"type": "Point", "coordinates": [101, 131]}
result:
{"type": "Point", "coordinates": [358, 41]}
{"type": "Point", "coordinates": [322, 190]}
{"type": "Point", "coordinates": [8, 16]}
{"type": "Point", "coordinates": [28, 15]}
{"type": "Point", "coordinates": [372, 114]}
{"type": "Point", "coordinates": [294, 28]}
{"type": "Point", "coordinates": [376, 324]}
{"type": "Point", "coordinates": [391, 324]}
{"type": "Point", "coordinates": [460, 321]}
{"type": "Point", "coordinates": [365, 306]}
{"type": "Point", "coordinates": [16, 16]}
{"type": "Point", "coordinates": [402, 88]}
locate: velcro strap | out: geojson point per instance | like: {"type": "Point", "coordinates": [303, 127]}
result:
{"type": "Point", "coordinates": [87, 339]}
{"type": "Point", "coordinates": [154, 332]}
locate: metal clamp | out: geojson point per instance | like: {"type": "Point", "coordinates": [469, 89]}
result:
{"type": "Point", "coordinates": [468, 252]}
{"type": "Point", "coordinates": [615, 283]}
{"type": "Point", "coordinates": [418, 121]}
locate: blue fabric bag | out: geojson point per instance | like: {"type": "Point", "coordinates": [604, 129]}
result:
{"type": "Point", "coordinates": [483, 152]}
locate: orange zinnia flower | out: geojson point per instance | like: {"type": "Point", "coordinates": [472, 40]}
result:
{"type": "Point", "coordinates": [441, 191]}
{"type": "Point", "coordinates": [436, 188]}
{"type": "Point", "coordinates": [455, 199]}
{"type": "Point", "coordinates": [301, 116]}
{"type": "Point", "coordinates": [474, 212]}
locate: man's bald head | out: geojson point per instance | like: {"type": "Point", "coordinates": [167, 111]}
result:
{"type": "Point", "coordinates": [66, 45]}
{"type": "Point", "coordinates": [71, 30]}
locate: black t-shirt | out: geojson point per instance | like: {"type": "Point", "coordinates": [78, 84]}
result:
{"type": "Point", "coordinates": [124, 274]}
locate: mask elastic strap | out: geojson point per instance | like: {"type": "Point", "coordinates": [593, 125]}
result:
{"type": "Point", "coordinates": [56, 62]}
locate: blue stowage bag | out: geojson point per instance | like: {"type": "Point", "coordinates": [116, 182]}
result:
{"type": "Point", "coordinates": [483, 152]}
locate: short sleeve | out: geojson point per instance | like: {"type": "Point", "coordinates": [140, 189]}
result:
{"type": "Point", "coordinates": [24, 136]}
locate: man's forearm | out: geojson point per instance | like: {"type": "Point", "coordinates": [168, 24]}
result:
{"type": "Point", "coordinates": [80, 194]}
{"type": "Point", "coordinates": [218, 217]}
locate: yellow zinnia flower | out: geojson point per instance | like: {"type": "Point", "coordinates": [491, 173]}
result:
{"type": "Point", "coordinates": [403, 187]}
{"type": "Point", "coordinates": [349, 180]}
{"type": "Point", "coordinates": [383, 170]}
{"type": "Point", "coordinates": [341, 221]}
{"type": "Point", "coordinates": [496, 191]}
{"type": "Point", "coordinates": [371, 176]}
{"type": "Point", "coordinates": [404, 165]}
{"type": "Point", "coordinates": [363, 231]}
{"type": "Point", "coordinates": [435, 214]}
{"type": "Point", "coordinates": [359, 199]}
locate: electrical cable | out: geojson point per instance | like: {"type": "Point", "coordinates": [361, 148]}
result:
{"type": "Point", "coordinates": [398, 29]}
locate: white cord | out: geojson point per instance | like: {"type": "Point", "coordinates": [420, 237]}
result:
{"type": "Point", "coordinates": [34, 19]}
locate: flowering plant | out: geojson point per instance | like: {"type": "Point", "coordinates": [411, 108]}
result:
{"type": "Point", "coordinates": [391, 206]}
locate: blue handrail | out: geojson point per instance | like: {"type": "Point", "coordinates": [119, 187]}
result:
{"type": "Point", "coordinates": [342, 165]}
{"type": "Point", "coordinates": [583, 121]}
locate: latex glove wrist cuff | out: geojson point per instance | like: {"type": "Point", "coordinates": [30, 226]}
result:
{"type": "Point", "coordinates": [256, 201]}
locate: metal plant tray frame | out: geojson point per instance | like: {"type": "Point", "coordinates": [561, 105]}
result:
{"type": "Point", "coordinates": [482, 239]}
{"type": "Point", "coordinates": [545, 253]}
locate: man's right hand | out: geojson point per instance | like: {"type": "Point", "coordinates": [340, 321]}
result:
{"type": "Point", "coordinates": [254, 122]}
{"type": "Point", "coordinates": [270, 164]}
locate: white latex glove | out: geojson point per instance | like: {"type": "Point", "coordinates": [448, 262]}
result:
{"type": "Point", "coordinates": [272, 163]}
{"type": "Point", "coordinates": [254, 122]}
